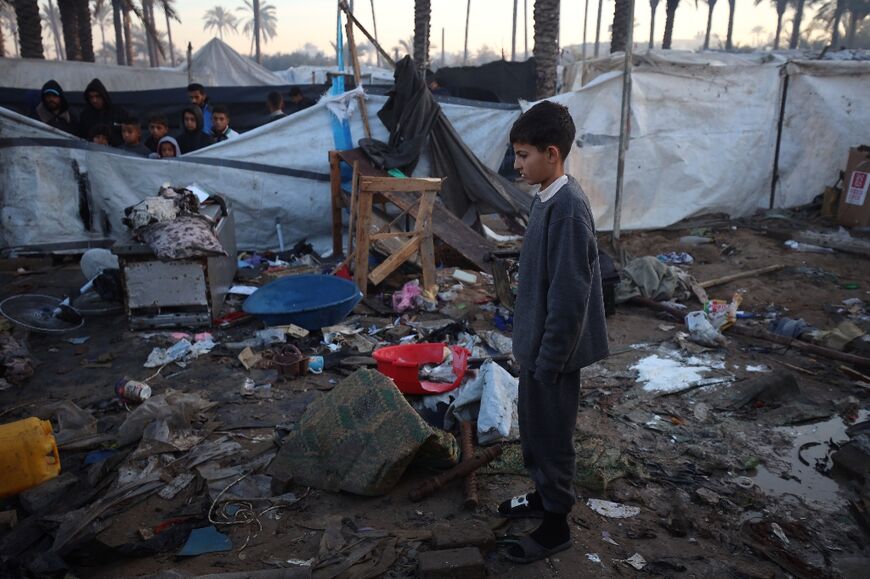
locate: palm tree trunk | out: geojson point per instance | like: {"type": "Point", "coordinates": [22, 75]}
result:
{"type": "Point", "coordinates": [467, 22]}
{"type": "Point", "coordinates": [514, 33]}
{"type": "Point", "coordinates": [29, 28]}
{"type": "Point", "coordinates": [729, 44]}
{"type": "Point", "coordinates": [257, 30]}
{"type": "Point", "coordinates": [422, 15]}
{"type": "Point", "coordinates": [711, 4]}
{"type": "Point", "coordinates": [169, 35]}
{"type": "Point", "coordinates": [853, 27]}
{"type": "Point", "coordinates": [598, 29]}
{"type": "Point", "coordinates": [2, 40]}
{"type": "Point", "coordinates": [546, 50]}
{"type": "Point", "coordinates": [120, 53]}
{"type": "Point", "coordinates": [835, 26]}
{"type": "Point", "coordinates": [148, 25]}
{"type": "Point", "coordinates": [86, 35]}
{"type": "Point", "coordinates": [128, 32]}
{"type": "Point", "coordinates": [619, 29]}
{"type": "Point", "coordinates": [653, 4]}
{"type": "Point", "coordinates": [779, 16]}
{"type": "Point", "coordinates": [670, 15]}
{"type": "Point", "coordinates": [796, 27]}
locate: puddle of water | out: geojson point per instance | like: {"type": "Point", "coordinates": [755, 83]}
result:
{"type": "Point", "coordinates": [808, 483]}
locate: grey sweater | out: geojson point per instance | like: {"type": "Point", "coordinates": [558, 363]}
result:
{"type": "Point", "coordinates": [559, 321]}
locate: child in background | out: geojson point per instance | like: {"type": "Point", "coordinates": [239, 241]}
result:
{"type": "Point", "coordinates": [220, 124]}
{"type": "Point", "coordinates": [131, 133]}
{"type": "Point", "coordinates": [191, 138]}
{"type": "Point", "coordinates": [100, 134]}
{"type": "Point", "coordinates": [167, 148]}
{"type": "Point", "coordinates": [158, 127]}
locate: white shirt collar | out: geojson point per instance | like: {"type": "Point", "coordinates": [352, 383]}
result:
{"type": "Point", "coordinates": [547, 194]}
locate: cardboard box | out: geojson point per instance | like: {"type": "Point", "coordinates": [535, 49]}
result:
{"type": "Point", "coordinates": [854, 209]}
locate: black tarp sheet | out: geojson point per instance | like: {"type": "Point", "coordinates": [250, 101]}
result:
{"type": "Point", "coordinates": [501, 81]}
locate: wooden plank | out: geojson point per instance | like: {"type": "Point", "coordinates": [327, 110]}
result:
{"type": "Point", "coordinates": [379, 236]}
{"type": "Point", "coordinates": [390, 264]}
{"type": "Point", "coordinates": [354, 187]}
{"type": "Point", "coordinates": [427, 246]}
{"type": "Point", "coordinates": [364, 216]}
{"type": "Point", "coordinates": [445, 226]}
{"type": "Point", "coordinates": [390, 184]}
{"type": "Point", "coordinates": [337, 201]}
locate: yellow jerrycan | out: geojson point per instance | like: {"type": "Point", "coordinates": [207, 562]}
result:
{"type": "Point", "coordinates": [28, 455]}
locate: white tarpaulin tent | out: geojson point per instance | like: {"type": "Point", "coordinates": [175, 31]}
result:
{"type": "Point", "coordinates": [318, 74]}
{"type": "Point", "coordinates": [73, 76]}
{"type": "Point", "coordinates": [217, 64]}
{"type": "Point", "coordinates": [703, 139]}
{"type": "Point", "coordinates": [276, 172]}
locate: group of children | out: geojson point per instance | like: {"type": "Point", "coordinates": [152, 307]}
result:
{"type": "Point", "coordinates": [104, 123]}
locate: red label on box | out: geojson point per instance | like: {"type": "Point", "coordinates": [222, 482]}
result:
{"type": "Point", "coordinates": [857, 193]}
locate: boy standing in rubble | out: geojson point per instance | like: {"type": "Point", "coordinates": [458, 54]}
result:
{"type": "Point", "coordinates": [559, 325]}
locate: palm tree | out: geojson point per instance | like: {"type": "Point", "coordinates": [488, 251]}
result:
{"type": "Point", "coordinates": [219, 19]}
{"type": "Point", "coordinates": [29, 28]}
{"type": "Point", "coordinates": [546, 50]}
{"type": "Point", "coordinates": [796, 24]}
{"type": "Point", "coordinates": [670, 15]}
{"type": "Point", "coordinates": [422, 19]}
{"type": "Point", "coordinates": [858, 11]}
{"type": "Point", "coordinates": [85, 32]}
{"type": "Point", "coordinates": [170, 14]}
{"type": "Point", "coordinates": [598, 28]}
{"type": "Point", "coordinates": [653, 5]}
{"type": "Point", "coordinates": [51, 21]}
{"type": "Point", "coordinates": [70, 28]}
{"type": "Point", "coordinates": [117, 23]}
{"type": "Point", "coordinates": [101, 12]}
{"type": "Point", "coordinates": [619, 28]}
{"type": "Point", "coordinates": [710, 5]}
{"type": "Point", "coordinates": [729, 38]}
{"type": "Point", "coordinates": [267, 24]}
{"type": "Point", "coordinates": [3, 14]}
{"type": "Point", "coordinates": [780, 6]}
{"type": "Point", "coordinates": [757, 31]}
{"type": "Point", "coordinates": [7, 10]}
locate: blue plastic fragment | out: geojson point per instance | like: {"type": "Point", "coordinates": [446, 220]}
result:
{"type": "Point", "coordinates": [205, 540]}
{"type": "Point", "coordinates": [98, 456]}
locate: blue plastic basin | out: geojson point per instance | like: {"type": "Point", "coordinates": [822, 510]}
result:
{"type": "Point", "coordinates": [309, 301]}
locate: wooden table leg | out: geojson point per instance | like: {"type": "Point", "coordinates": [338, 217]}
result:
{"type": "Point", "coordinates": [363, 219]}
{"type": "Point", "coordinates": [427, 246]}
{"type": "Point", "coordinates": [335, 189]}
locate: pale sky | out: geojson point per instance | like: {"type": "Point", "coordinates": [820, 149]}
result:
{"type": "Point", "coordinates": [302, 21]}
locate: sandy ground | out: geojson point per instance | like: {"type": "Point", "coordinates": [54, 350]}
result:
{"type": "Point", "coordinates": [680, 458]}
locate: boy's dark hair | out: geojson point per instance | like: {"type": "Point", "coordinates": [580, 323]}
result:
{"type": "Point", "coordinates": [295, 91]}
{"type": "Point", "coordinates": [220, 110]}
{"type": "Point", "coordinates": [274, 98]}
{"type": "Point", "coordinates": [195, 86]}
{"type": "Point", "coordinates": [100, 129]}
{"type": "Point", "coordinates": [158, 119]}
{"type": "Point", "coordinates": [131, 121]}
{"type": "Point", "coordinates": [545, 124]}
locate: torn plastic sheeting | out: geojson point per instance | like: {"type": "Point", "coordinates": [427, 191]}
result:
{"type": "Point", "coordinates": [612, 510]}
{"type": "Point", "coordinates": [491, 399]}
{"type": "Point", "coordinates": [671, 374]}
{"type": "Point", "coordinates": [178, 409]}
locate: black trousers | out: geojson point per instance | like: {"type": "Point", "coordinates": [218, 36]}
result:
{"type": "Point", "coordinates": [548, 416]}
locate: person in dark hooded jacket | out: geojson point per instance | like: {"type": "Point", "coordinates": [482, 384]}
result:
{"type": "Point", "coordinates": [191, 136]}
{"type": "Point", "coordinates": [53, 110]}
{"type": "Point", "coordinates": [99, 110]}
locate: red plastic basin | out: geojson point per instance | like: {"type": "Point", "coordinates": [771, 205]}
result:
{"type": "Point", "coordinates": [402, 364]}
